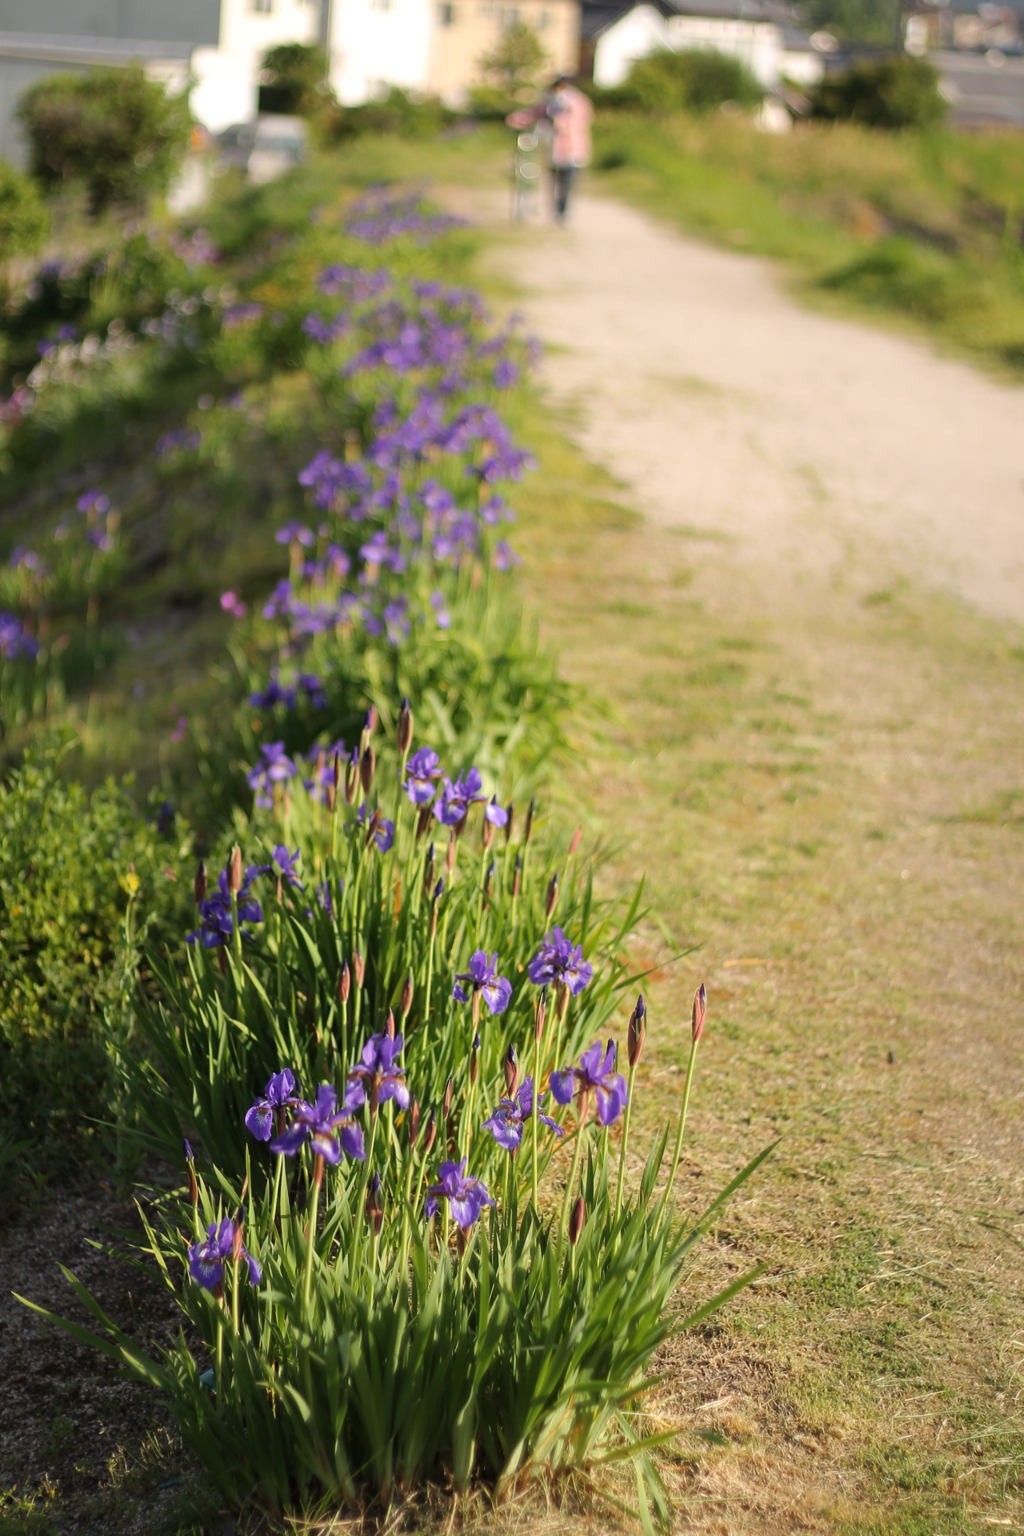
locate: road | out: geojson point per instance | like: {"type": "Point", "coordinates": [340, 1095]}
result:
{"type": "Point", "coordinates": [728, 407]}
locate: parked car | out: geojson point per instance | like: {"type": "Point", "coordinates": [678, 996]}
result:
{"type": "Point", "coordinates": [266, 147]}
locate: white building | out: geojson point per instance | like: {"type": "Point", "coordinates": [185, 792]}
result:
{"type": "Point", "coordinates": [760, 33]}
{"type": "Point", "coordinates": [430, 46]}
{"type": "Point", "coordinates": [218, 42]}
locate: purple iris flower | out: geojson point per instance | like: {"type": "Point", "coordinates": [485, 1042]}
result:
{"type": "Point", "coordinates": [506, 1122]}
{"type": "Point", "coordinates": [505, 556]}
{"type": "Point", "coordinates": [280, 1091]}
{"type": "Point", "coordinates": [482, 976]}
{"type": "Point", "coordinates": [295, 533]}
{"type": "Point", "coordinates": [273, 693]}
{"type": "Point", "coordinates": [442, 617]}
{"type": "Point", "coordinates": [94, 501]}
{"type": "Point", "coordinates": [275, 767]}
{"type": "Point", "coordinates": [216, 923]}
{"type": "Point", "coordinates": [326, 1125]}
{"type": "Point", "coordinates": [287, 865]}
{"type": "Point", "coordinates": [221, 1245]}
{"type": "Point", "coordinates": [423, 768]}
{"type": "Point", "coordinates": [559, 961]}
{"type": "Point", "coordinates": [596, 1073]}
{"type": "Point", "coordinates": [456, 799]}
{"type": "Point", "coordinates": [313, 688]}
{"type": "Point", "coordinates": [378, 828]}
{"type": "Point", "coordinates": [375, 1074]}
{"type": "Point", "coordinates": [466, 1195]}
{"type": "Point", "coordinates": [496, 814]}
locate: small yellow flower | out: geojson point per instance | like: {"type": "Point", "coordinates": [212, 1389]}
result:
{"type": "Point", "coordinates": [130, 882]}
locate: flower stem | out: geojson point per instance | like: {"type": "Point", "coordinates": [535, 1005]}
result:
{"type": "Point", "coordinates": [307, 1282]}
{"type": "Point", "coordinates": [682, 1124]}
{"type": "Point", "coordinates": [625, 1140]}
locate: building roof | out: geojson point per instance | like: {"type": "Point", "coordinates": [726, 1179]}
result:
{"type": "Point", "coordinates": [87, 50]}
{"type": "Point", "coordinates": [596, 16]}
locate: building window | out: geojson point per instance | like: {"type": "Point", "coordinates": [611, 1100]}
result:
{"type": "Point", "coordinates": [446, 15]}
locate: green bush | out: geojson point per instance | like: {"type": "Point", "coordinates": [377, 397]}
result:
{"type": "Point", "coordinates": [398, 112]}
{"type": "Point", "coordinates": [697, 80]}
{"type": "Point", "coordinates": [23, 220]}
{"type": "Point", "coordinates": [895, 92]}
{"type": "Point", "coordinates": [111, 130]}
{"type": "Point", "coordinates": [72, 864]}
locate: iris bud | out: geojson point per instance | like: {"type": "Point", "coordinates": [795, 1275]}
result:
{"type": "Point", "coordinates": [429, 870]}
{"type": "Point", "coordinates": [235, 871]}
{"type": "Point", "coordinates": [576, 840]}
{"type": "Point", "coordinates": [371, 721]}
{"type": "Point", "coordinates": [190, 1166]}
{"type": "Point", "coordinates": [405, 1001]}
{"type": "Point", "coordinates": [577, 1220]}
{"type": "Point", "coordinates": [199, 884]}
{"type": "Point", "coordinates": [414, 1121]}
{"type": "Point", "coordinates": [511, 1071]}
{"type": "Point", "coordinates": [358, 967]}
{"type": "Point", "coordinates": [423, 821]}
{"type": "Point", "coordinates": [530, 813]}
{"type": "Point", "coordinates": [637, 1031]}
{"type": "Point", "coordinates": [474, 1061]}
{"type": "Point", "coordinates": [352, 777]}
{"type": "Point", "coordinates": [344, 983]}
{"type": "Point", "coordinates": [430, 1135]}
{"type": "Point", "coordinates": [489, 877]}
{"type": "Point", "coordinates": [517, 878]}
{"type": "Point", "coordinates": [552, 896]}
{"type": "Point", "coordinates": [540, 1012]}
{"type": "Point", "coordinates": [510, 811]}
{"type": "Point", "coordinates": [367, 768]}
{"type": "Point", "coordinates": [389, 1024]}
{"type": "Point", "coordinates": [700, 1008]}
{"type": "Point", "coordinates": [403, 733]}
{"type": "Point", "coordinates": [446, 1102]}
{"type": "Point", "coordinates": [374, 1204]}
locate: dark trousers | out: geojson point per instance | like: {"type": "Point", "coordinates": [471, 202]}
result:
{"type": "Point", "coordinates": [564, 176]}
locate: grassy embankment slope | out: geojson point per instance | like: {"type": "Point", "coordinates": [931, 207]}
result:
{"type": "Point", "coordinates": [922, 229]}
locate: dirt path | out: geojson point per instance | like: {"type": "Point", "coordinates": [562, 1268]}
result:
{"type": "Point", "coordinates": [725, 406]}
{"type": "Point", "coordinates": [809, 643]}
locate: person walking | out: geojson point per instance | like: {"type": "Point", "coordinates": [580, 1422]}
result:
{"type": "Point", "coordinates": [568, 112]}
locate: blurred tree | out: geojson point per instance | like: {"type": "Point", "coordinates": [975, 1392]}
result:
{"type": "Point", "coordinates": [516, 59]}
{"type": "Point", "coordinates": [894, 92]}
{"type": "Point", "coordinates": [295, 80]}
{"type": "Point", "coordinates": [112, 130]}
{"type": "Point", "coordinates": [855, 21]}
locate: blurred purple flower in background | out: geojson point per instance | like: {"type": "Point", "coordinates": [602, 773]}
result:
{"type": "Point", "coordinates": [423, 768]}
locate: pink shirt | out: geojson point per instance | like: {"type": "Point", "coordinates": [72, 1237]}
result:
{"type": "Point", "coordinates": [570, 112]}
